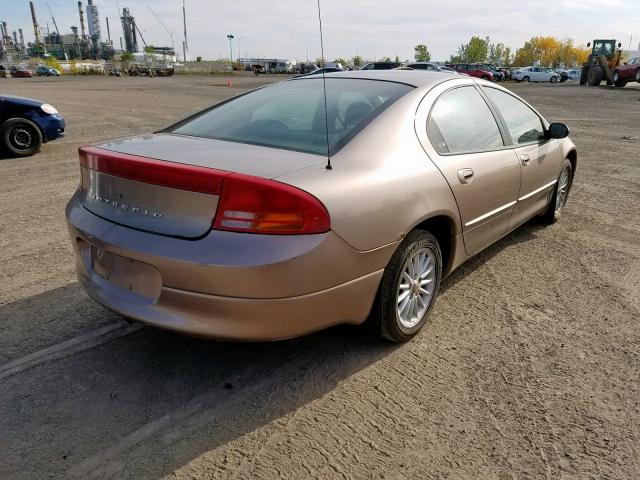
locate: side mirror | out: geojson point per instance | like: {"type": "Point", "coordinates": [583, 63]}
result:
{"type": "Point", "coordinates": [589, 44]}
{"type": "Point", "coordinates": [557, 130]}
{"type": "Point", "coordinates": [619, 45]}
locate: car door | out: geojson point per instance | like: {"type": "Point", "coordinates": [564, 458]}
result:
{"type": "Point", "coordinates": [540, 158]}
{"type": "Point", "coordinates": [464, 141]}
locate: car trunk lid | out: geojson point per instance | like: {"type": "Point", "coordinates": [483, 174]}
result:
{"type": "Point", "coordinates": [169, 184]}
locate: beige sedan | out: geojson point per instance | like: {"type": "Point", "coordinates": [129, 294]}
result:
{"type": "Point", "coordinates": [282, 211]}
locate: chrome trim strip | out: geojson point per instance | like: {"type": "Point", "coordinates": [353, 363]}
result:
{"type": "Point", "coordinates": [491, 213]}
{"type": "Point", "coordinates": [537, 190]}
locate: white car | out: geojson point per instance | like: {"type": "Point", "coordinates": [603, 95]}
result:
{"type": "Point", "coordinates": [535, 74]}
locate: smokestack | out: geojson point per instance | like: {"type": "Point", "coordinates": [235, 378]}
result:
{"type": "Point", "coordinates": [15, 39]}
{"type": "Point", "coordinates": [185, 44]}
{"type": "Point", "coordinates": [21, 39]}
{"type": "Point", "coordinates": [81, 13]}
{"type": "Point", "coordinates": [135, 35]}
{"type": "Point", "coordinates": [108, 31]}
{"type": "Point", "coordinates": [36, 30]}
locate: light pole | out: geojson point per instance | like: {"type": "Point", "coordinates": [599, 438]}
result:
{"type": "Point", "coordinates": [231, 37]}
{"type": "Point", "coordinates": [238, 40]}
{"type": "Point", "coordinates": [308, 43]}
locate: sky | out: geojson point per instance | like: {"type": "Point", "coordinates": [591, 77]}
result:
{"type": "Point", "coordinates": [370, 28]}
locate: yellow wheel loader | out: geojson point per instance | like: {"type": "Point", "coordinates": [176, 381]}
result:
{"type": "Point", "coordinates": [601, 62]}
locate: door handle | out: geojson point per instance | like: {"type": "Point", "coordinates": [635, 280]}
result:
{"type": "Point", "coordinates": [465, 175]}
{"type": "Point", "coordinates": [524, 159]}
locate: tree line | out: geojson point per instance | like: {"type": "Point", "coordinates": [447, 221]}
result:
{"type": "Point", "coordinates": [547, 51]}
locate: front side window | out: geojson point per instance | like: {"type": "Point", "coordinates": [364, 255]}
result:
{"type": "Point", "coordinates": [460, 121]}
{"type": "Point", "coordinates": [523, 123]}
{"type": "Point", "coordinates": [291, 115]}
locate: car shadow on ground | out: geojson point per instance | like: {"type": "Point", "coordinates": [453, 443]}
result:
{"type": "Point", "coordinates": [149, 402]}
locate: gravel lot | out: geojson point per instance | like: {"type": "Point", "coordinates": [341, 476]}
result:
{"type": "Point", "coordinates": [529, 369]}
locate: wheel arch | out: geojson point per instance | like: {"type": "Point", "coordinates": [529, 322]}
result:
{"type": "Point", "coordinates": [443, 228]}
{"type": "Point", "coordinates": [572, 155]}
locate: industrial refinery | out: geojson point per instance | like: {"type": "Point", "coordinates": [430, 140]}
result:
{"type": "Point", "coordinates": [84, 41]}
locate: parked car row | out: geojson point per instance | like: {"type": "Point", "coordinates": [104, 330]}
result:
{"type": "Point", "coordinates": [21, 71]}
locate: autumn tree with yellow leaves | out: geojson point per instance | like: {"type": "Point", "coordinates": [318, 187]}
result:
{"type": "Point", "coordinates": [550, 52]}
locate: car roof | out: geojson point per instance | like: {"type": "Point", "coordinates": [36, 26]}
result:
{"type": "Point", "coordinates": [415, 78]}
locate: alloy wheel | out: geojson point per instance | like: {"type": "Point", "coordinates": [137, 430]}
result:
{"type": "Point", "coordinates": [563, 189]}
{"type": "Point", "coordinates": [415, 287]}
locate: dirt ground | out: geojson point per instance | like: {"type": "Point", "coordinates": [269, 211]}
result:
{"type": "Point", "coordinates": [529, 368]}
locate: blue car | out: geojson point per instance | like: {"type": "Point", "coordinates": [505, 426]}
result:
{"type": "Point", "coordinates": [25, 124]}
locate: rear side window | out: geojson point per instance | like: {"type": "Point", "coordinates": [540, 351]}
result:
{"type": "Point", "coordinates": [291, 115]}
{"type": "Point", "coordinates": [524, 124]}
{"type": "Point", "coordinates": [461, 121]}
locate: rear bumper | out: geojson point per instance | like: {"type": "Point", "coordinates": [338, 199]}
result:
{"type": "Point", "coordinates": [226, 285]}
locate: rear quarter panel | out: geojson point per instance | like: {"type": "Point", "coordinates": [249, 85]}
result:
{"type": "Point", "coordinates": [382, 183]}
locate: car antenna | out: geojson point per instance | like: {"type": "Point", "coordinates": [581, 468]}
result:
{"type": "Point", "coordinates": [324, 89]}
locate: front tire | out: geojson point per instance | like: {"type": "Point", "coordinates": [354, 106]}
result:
{"type": "Point", "coordinates": [20, 137]}
{"type": "Point", "coordinates": [554, 80]}
{"type": "Point", "coordinates": [595, 76]}
{"type": "Point", "coordinates": [638, 75]}
{"type": "Point", "coordinates": [560, 194]}
{"type": "Point", "coordinates": [526, 79]}
{"type": "Point", "coordinates": [408, 288]}
{"type": "Point", "coordinates": [616, 80]}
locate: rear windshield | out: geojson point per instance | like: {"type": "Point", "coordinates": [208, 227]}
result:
{"type": "Point", "coordinates": [291, 115]}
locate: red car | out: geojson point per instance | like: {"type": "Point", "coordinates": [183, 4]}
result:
{"type": "Point", "coordinates": [20, 72]}
{"type": "Point", "coordinates": [479, 71]}
{"type": "Point", "coordinates": [629, 72]}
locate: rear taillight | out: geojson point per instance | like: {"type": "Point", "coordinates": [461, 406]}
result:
{"type": "Point", "coordinates": [257, 205]}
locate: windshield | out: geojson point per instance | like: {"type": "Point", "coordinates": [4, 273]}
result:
{"type": "Point", "coordinates": [291, 114]}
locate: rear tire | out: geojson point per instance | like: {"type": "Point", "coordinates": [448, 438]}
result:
{"type": "Point", "coordinates": [638, 75]}
{"type": "Point", "coordinates": [560, 194]}
{"type": "Point", "coordinates": [20, 137]}
{"type": "Point", "coordinates": [408, 288]}
{"type": "Point", "coordinates": [595, 76]}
